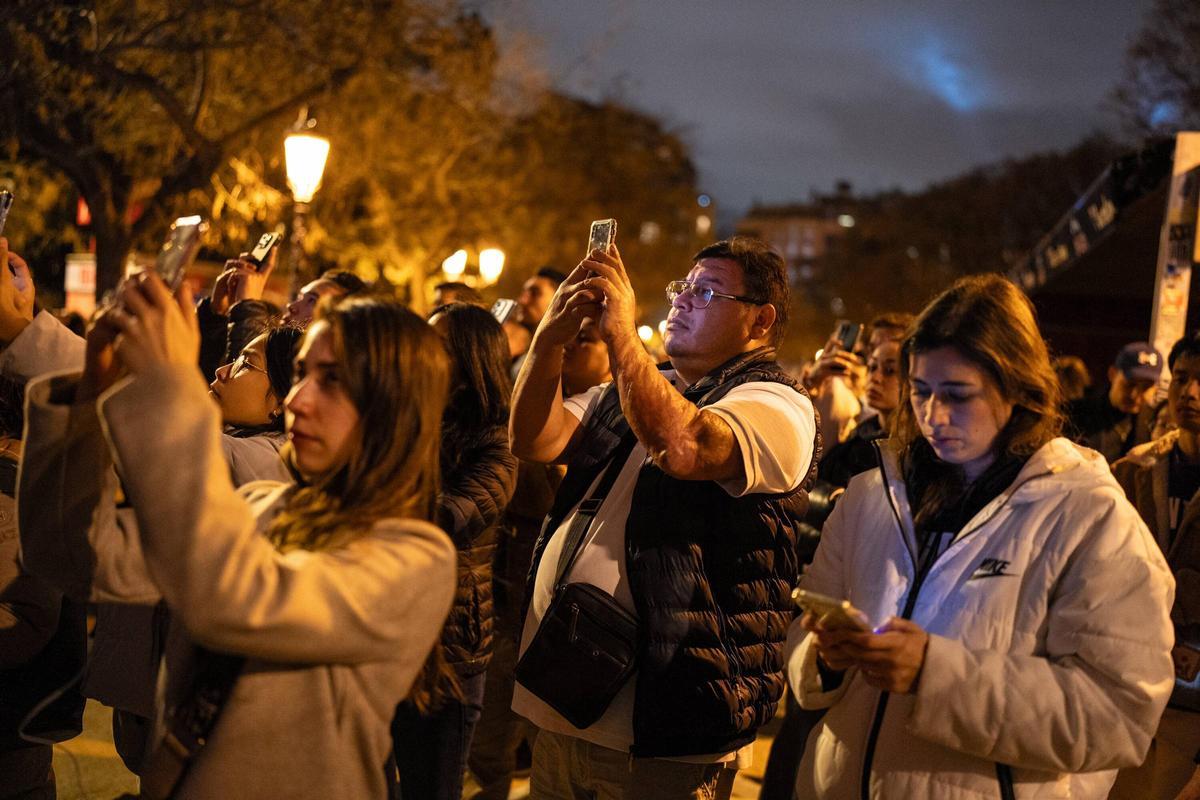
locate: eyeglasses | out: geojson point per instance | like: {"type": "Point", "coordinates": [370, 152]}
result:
{"type": "Point", "coordinates": [241, 363]}
{"type": "Point", "coordinates": [703, 295]}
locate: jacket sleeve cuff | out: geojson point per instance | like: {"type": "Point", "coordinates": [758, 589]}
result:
{"type": "Point", "coordinates": [45, 346]}
{"type": "Point", "coordinates": [804, 674]}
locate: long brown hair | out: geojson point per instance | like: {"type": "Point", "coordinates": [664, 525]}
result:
{"type": "Point", "coordinates": [992, 324]}
{"type": "Point", "coordinates": [396, 373]}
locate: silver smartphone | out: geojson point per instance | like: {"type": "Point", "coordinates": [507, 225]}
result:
{"type": "Point", "coordinates": [179, 250]}
{"type": "Point", "coordinates": [603, 234]}
{"type": "Point", "coordinates": [6, 201]}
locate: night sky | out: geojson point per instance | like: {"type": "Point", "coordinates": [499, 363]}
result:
{"type": "Point", "coordinates": [780, 98]}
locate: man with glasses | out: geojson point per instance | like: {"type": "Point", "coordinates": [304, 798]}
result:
{"type": "Point", "coordinates": [696, 537]}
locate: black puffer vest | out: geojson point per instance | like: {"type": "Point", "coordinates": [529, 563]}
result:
{"type": "Point", "coordinates": [711, 577]}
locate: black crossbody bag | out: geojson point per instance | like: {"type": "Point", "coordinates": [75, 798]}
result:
{"type": "Point", "coordinates": [586, 646]}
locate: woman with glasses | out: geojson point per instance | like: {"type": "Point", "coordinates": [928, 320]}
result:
{"type": "Point", "coordinates": [250, 393]}
{"type": "Point", "coordinates": [1017, 638]}
{"type": "Point", "coordinates": [301, 613]}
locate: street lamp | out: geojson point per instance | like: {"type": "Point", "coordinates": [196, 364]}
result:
{"type": "Point", "coordinates": [305, 154]}
{"type": "Point", "coordinates": [491, 264]}
{"type": "Point", "coordinates": [455, 264]}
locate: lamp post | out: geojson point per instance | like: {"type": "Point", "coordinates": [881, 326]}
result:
{"type": "Point", "coordinates": [491, 264]}
{"type": "Point", "coordinates": [305, 154]}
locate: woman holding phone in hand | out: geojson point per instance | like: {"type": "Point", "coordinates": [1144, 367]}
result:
{"type": "Point", "coordinates": [308, 609]}
{"type": "Point", "coordinates": [1023, 642]}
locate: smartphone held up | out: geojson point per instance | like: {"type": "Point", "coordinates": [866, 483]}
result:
{"type": "Point", "coordinates": [261, 251]}
{"type": "Point", "coordinates": [6, 201]}
{"type": "Point", "coordinates": [602, 235]}
{"type": "Point", "coordinates": [179, 250]}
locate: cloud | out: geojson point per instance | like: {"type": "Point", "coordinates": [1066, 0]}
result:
{"type": "Point", "coordinates": [780, 97]}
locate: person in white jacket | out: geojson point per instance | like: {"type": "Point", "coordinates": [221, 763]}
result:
{"type": "Point", "coordinates": [306, 610]}
{"type": "Point", "coordinates": [1019, 609]}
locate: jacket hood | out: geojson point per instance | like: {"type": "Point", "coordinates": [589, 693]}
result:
{"type": "Point", "coordinates": [1056, 466]}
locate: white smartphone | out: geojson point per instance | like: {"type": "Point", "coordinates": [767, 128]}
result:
{"type": "Point", "coordinates": [834, 614]}
{"type": "Point", "coordinates": [503, 309]}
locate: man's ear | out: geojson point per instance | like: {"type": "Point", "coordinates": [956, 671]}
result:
{"type": "Point", "coordinates": [764, 320]}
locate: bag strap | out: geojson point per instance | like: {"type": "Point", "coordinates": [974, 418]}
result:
{"type": "Point", "coordinates": [190, 723]}
{"type": "Point", "coordinates": [590, 506]}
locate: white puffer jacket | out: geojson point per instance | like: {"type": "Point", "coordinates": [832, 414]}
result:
{"type": "Point", "coordinates": [1049, 644]}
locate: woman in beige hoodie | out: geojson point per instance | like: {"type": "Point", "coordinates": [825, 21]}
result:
{"type": "Point", "coordinates": [333, 589]}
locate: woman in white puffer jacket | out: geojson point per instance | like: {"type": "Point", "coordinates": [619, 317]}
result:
{"type": "Point", "coordinates": [1021, 642]}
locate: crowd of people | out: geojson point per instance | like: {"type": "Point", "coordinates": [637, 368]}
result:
{"type": "Point", "coordinates": [341, 550]}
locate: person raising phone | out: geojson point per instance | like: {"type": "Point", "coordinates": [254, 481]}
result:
{"type": "Point", "coordinates": [1023, 608]}
{"type": "Point", "coordinates": [309, 609]}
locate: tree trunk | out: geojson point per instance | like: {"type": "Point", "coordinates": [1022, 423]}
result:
{"type": "Point", "coordinates": [113, 241]}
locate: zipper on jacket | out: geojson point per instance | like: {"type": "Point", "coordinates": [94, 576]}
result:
{"type": "Point", "coordinates": [927, 556]}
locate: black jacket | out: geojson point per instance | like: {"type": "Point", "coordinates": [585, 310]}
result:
{"type": "Point", "coordinates": [223, 337]}
{"type": "Point", "coordinates": [711, 577]}
{"type": "Point", "coordinates": [478, 477]}
{"type": "Point", "coordinates": [1093, 422]}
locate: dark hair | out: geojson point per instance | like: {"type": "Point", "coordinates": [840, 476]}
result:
{"type": "Point", "coordinates": [282, 343]}
{"type": "Point", "coordinates": [481, 387]}
{"type": "Point", "coordinates": [1073, 377]}
{"type": "Point", "coordinates": [551, 274]}
{"type": "Point", "coordinates": [892, 320]}
{"type": "Point", "coordinates": [764, 272]}
{"type": "Point", "coordinates": [347, 281]}
{"type": "Point", "coordinates": [1189, 345]}
{"type": "Point", "coordinates": [992, 324]}
{"type": "Point", "coordinates": [466, 294]}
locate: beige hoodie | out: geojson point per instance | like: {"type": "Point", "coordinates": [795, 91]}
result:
{"type": "Point", "coordinates": [333, 639]}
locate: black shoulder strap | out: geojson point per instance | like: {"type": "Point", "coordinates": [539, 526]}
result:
{"type": "Point", "coordinates": [590, 506]}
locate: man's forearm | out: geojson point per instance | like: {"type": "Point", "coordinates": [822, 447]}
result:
{"type": "Point", "coordinates": [681, 439]}
{"type": "Point", "coordinates": [537, 411]}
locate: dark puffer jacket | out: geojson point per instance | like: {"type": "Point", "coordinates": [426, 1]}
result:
{"type": "Point", "coordinates": [711, 577]}
{"type": "Point", "coordinates": [478, 477]}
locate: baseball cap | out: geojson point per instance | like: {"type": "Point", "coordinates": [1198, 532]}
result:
{"type": "Point", "coordinates": [1139, 361]}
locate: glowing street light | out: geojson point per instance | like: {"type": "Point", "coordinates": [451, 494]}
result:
{"type": "Point", "coordinates": [305, 155]}
{"type": "Point", "coordinates": [645, 332]}
{"type": "Point", "coordinates": [662, 327]}
{"type": "Point", "coordinates": [455, 265]}
{"type": "Point", "coordinates": [491, 264]}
